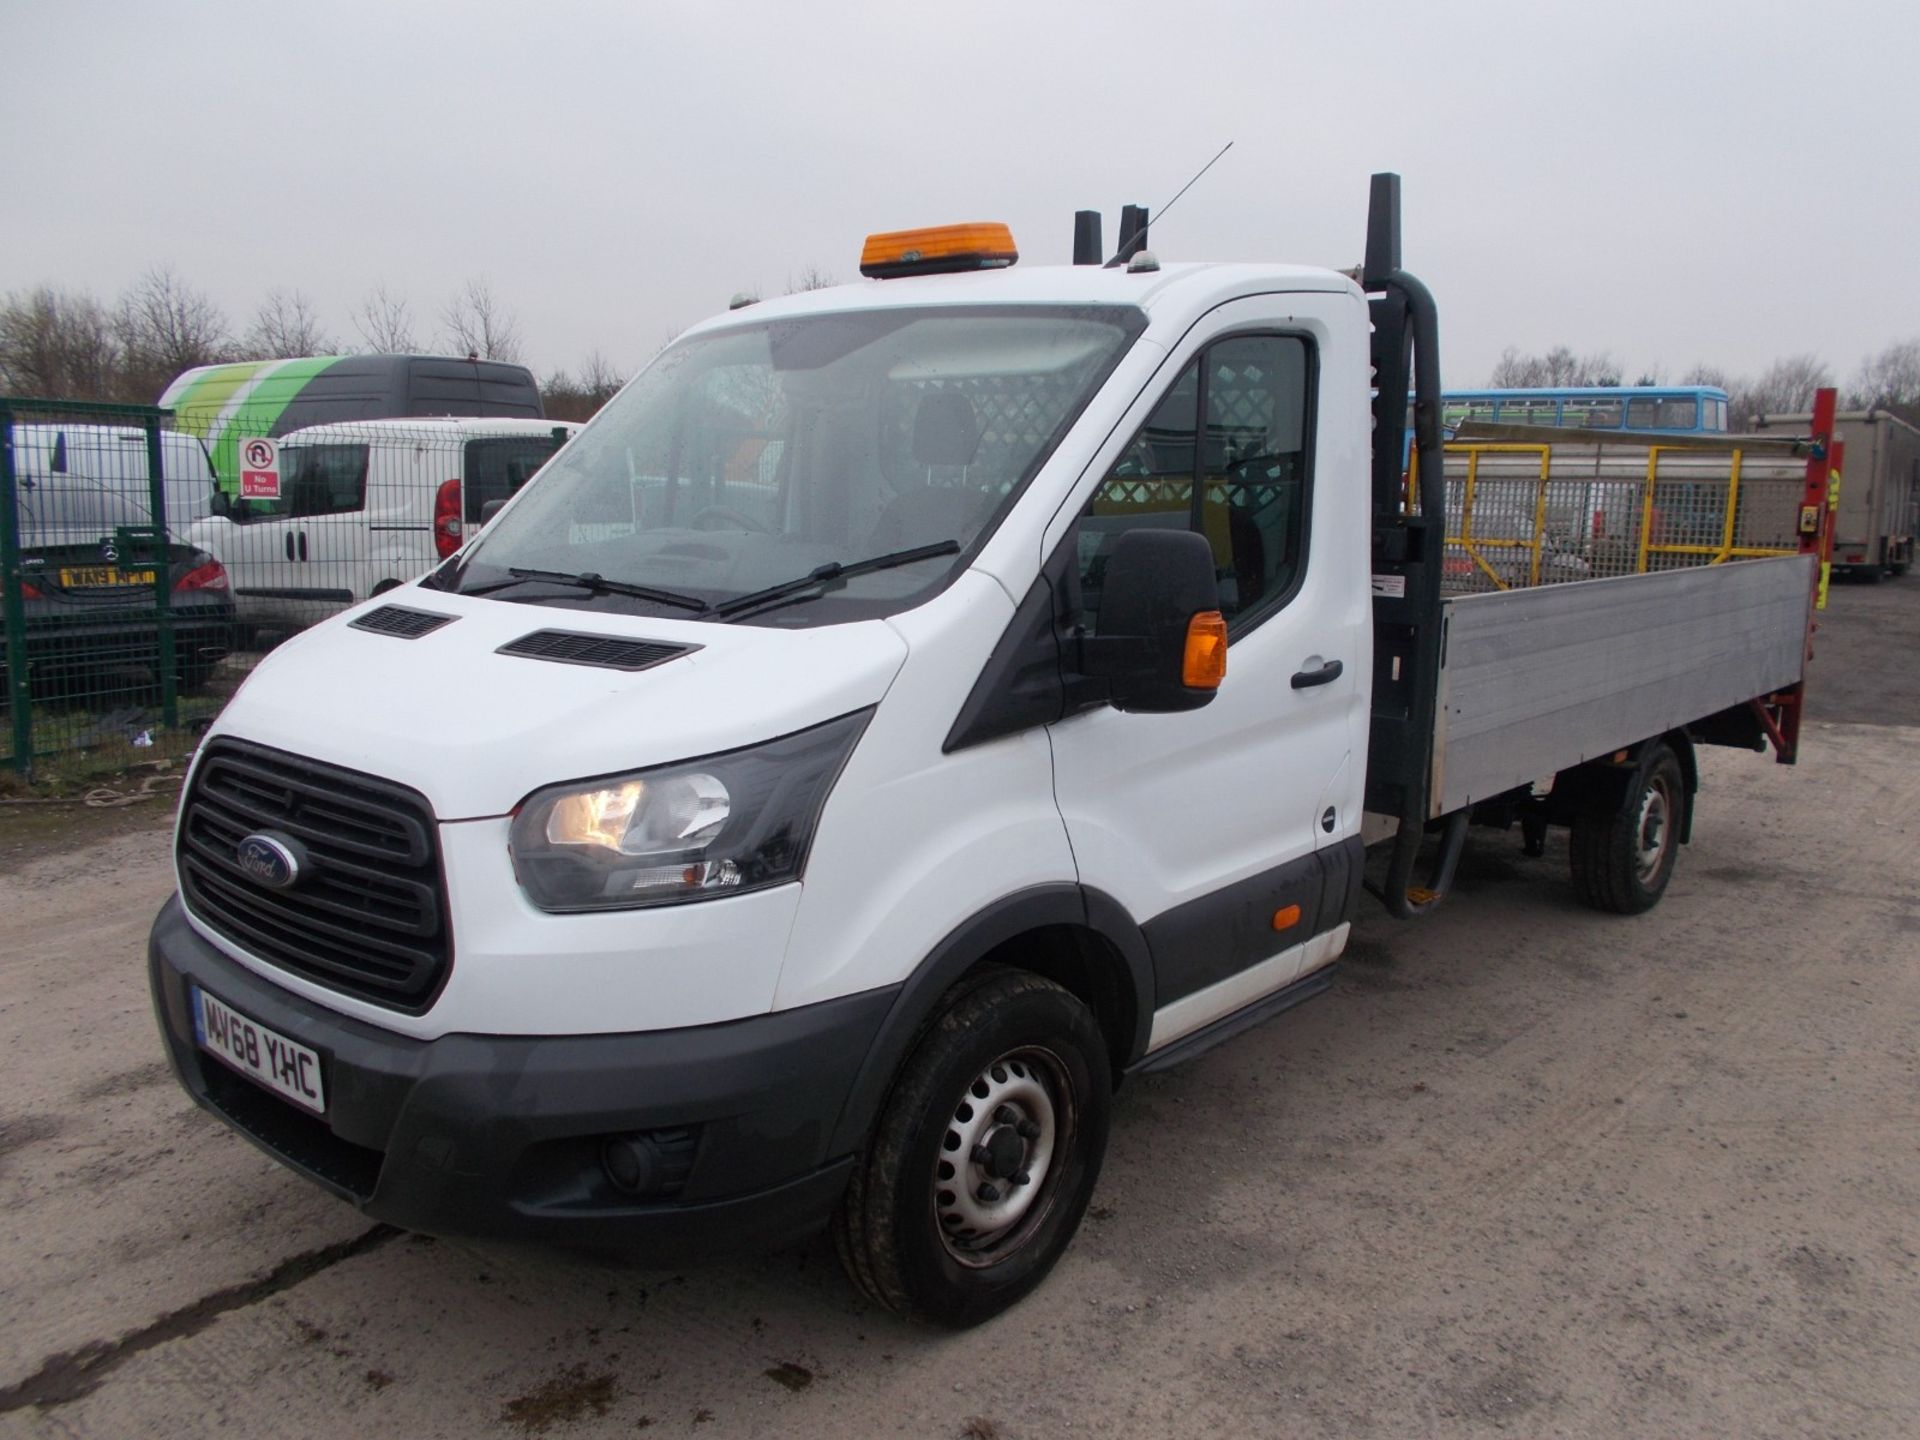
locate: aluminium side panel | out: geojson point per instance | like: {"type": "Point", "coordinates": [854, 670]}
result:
{"type": "Point", "coordinates": [1541, 679]}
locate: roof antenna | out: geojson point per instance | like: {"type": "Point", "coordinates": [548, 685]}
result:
{"type": "Point", "coordinates": [1135, 238]}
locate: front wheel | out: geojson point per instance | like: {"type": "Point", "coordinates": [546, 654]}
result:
{"type": "Point", "coordinates": [985, 1154]}
{"type": "Point", "coordinates": [1623, 854]}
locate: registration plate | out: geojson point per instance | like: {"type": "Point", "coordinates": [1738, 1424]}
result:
{"type": "Point", "coordinates": [101, 577]}
{"type": "Point", "coordinates": [284, 1067]}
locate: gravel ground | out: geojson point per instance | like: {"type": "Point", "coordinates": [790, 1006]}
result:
{"type": "Point", "coordinates": [1527, 1169]}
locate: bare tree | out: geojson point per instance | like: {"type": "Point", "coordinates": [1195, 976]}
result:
{"type": "Point", "coordinates": [1784, 388]}
{"type": "Point", "coordinates": [570, 398]}
{"type": "Point", "coordinates": [477, 324]}
{"type": "Point", "coordinates": [385, 322]}
{"type": "Point", "coordinates": [601, 376]}
{"type": "Point", "coordinates": [1557, 368]}
{"type": "Point", "coordinates": [284, 327]}
{"type": "Point", "coordinates": [1890, 380]}
{"type": "Point", "coordinates": [165, 326]}
{"type": "Point", "coordinates": [58, 343]}
{"type": "Point", "coordinates": [164, 317]}
{"type": "Point", "coordinates": [812, 277]}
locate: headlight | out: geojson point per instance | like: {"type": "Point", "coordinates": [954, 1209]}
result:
{"type": "Point", "coordinates": [690, 831]}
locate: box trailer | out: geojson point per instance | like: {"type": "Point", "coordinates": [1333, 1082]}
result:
{"type": "Point", "coordinates": [1879, 510]}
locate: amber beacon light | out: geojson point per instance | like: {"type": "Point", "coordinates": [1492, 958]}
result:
{"type": "Point", "coordinates": [938, 249]}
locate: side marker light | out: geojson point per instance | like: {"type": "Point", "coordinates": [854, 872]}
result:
{"type": "Point", "coordinates": [1205, 663]}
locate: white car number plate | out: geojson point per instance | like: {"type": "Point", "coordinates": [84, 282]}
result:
{"type": "Point", "coordinates": [276, 1062]}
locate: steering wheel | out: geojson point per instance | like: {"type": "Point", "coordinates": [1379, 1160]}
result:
{"type": "Point", "coordinates": [729, 517]}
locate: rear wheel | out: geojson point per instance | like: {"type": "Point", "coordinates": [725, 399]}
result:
{"type": "Point", "coordinates": [1623, 854]}
{"type": "Point", "coordinates": [985, 1155]}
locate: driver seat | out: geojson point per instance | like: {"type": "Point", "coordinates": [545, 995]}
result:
{"type": "Point", "coordinates": [946, 435]}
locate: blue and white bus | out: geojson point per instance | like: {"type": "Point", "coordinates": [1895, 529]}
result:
{"type": "Point", "coordinates": [1666, 409]}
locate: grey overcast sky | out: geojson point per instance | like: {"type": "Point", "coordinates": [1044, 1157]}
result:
{"type": "Point", "coordinates": [1675, 182]}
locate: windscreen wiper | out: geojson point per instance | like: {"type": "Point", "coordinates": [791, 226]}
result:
{"type": "Point", "coordinates": [596, 584]}
{"type": "Point", "coordinates": [833, 570]}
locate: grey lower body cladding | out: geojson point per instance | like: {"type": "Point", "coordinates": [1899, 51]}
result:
{"type": "Point", "coordinates": [415, 1131]}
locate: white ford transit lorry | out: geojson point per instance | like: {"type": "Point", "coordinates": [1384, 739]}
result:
{"type": "Point", "coordinates": [906, 711]}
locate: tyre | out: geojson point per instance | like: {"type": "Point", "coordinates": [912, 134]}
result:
{"type": "Point", "coordinates": [1623, 855]}
{"type": "Point", "coordinates": [984, 1156]}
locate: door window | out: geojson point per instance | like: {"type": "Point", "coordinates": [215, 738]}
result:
{"type": "Point", "coordinates": [498, 467]}
{"type": "Point", "coordinates": [1240, 480]}
{"type": "Point", "coordinates": [314, 480]}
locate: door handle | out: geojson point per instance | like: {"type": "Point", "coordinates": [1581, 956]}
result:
{"type": "Point", "coordinates": [303, 546]}
{"type": "Point", "coordinates": [1326, 674]}
{"type": "Point", "coordinates": [289, 544]}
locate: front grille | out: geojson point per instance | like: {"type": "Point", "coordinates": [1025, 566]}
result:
{"type": "Point", "coordinates": [609, 652]}
{"type": "Point", "coordinates": [368, 914]}
{"type": "Point", "coordinates": [400, 622]}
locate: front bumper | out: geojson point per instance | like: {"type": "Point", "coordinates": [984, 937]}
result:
{"type": "Point", "coordinates": [501, 1137]}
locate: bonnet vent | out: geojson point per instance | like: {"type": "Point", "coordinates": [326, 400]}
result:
{"type": "Point", "coordinates": [607, 652]}
{"type": "Point", "coordinates": [400, 622]}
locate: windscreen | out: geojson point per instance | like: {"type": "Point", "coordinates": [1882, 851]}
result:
{"type": "Point", "coordinates": [763, 453]}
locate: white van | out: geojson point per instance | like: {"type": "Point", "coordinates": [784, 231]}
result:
{"type": "Point", "coordinates": [907, 711]}
{"type": "Point", "coordinates": [88, 480]}
{"type": "Point", "coordinates": [365, 506]}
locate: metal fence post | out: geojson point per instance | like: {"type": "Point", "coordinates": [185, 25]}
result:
{"type": "Point", "coordinates": [162, 577]}
{"type": "Point", "coordinates": [13, 598]}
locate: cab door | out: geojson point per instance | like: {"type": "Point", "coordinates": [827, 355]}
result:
{"type": "Point", "coordinates": [1230, 833]}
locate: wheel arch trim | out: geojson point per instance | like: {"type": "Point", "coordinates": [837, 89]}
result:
{"type": "Point", "coordinates": [1041, 907]}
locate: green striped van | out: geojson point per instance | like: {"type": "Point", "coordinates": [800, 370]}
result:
{"type": "Point", "coordinates": [223, 404]}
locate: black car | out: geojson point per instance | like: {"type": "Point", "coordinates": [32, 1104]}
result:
{"type": "Point", "coordinates": [92, 607]}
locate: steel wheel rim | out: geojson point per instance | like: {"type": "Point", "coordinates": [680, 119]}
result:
{"type": "Point", "coordinates": [987, 1144]}
{"type": "Point", "coordinates": [1652, 831]}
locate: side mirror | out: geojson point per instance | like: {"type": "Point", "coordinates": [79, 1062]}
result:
{"type": "Point", "coordinates": [490, 509]}
{"type": "Point", "coordinates": [1161, 643]}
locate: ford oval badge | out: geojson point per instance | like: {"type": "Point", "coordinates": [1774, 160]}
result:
{"type": "Point", "coordinates": [269, 860]}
